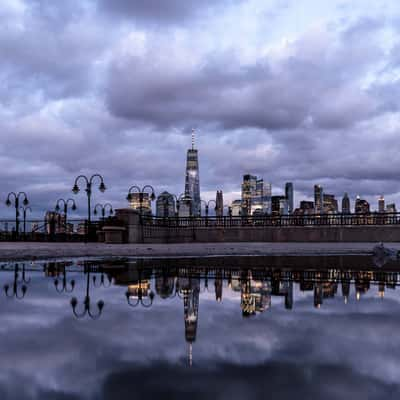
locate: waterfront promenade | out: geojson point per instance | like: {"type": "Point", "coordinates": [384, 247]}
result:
{"type": "Point", "coordinates": [10, 251]}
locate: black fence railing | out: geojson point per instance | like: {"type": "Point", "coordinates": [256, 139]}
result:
{"type": "Point", "coordinates": [277, 221]}
{"type": "Point", "coordinates": [75, 230]}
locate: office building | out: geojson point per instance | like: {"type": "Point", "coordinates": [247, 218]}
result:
{"type": "Point", "coordinates": [391, 208]}
{"type": "Point", "coordinates": [219, 204]}
{"type": "Point", "coordinates": [165, 205]}
{"type": "Point", "coordinates": [256, 195]}
{"type": "Point", "coordinates": [361, 206]}
{"type": "Point", "coordinates": [289, 197]}
{"type": "Point", "coordinates": [248, 192]}
{"type": "Point", "coordinates": [346, 204]}
{"type": "Point", "coordinates": [330, 204]}
{"type": "Point", "coordinates": [318, 199]}
{"type": "Point", "coordinates": [381, 204]}
{"type": "Point", "coordinates": [278, 205]}
{"type": "Point", "coordinates": [236, 208]}
{"type": "Point", "coordinates": [192, 180]}
{"type": "Point", "coordinates": [141, 202]}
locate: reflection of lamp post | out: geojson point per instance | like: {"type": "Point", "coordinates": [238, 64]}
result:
{"type": "Point", "coordinates": [102, 281]}
{"type": "Point", "coordinates": [88, 190]}
{"type": "Point", "coordinates": [65, 205]}
{"type": "Point", "coordinates": [87, 304]}
{"type": "Point", "coordinates": [16, 197]}
{"type": "Point", "coordinates": [15, 293]}
{"type": "Point", "coordinates": [103, 209]}
{"type": "Point", "coordinates": [24, 210]}
{"type": "Point", "coordinates": [140, 298]}
{"type": "Point", "coordinates": [63, 287]}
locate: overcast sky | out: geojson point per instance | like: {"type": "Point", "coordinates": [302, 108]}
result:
{"type": "Point", "coordinates": [303, 91]}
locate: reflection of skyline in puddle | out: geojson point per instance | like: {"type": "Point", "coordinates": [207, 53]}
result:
{"type": "Point", "coordinates": [270, 303]}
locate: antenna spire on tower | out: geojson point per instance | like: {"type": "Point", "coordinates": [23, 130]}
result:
{"type": "Point", "coordinates": [193, 132]}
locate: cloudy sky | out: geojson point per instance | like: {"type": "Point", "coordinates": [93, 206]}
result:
{"type": "Point", "coordinates": [304, 91]}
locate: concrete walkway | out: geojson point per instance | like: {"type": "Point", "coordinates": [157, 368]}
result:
{"type": "Point", "coordinates": [10, 251]}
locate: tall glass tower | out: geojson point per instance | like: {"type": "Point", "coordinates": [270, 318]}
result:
{"type": "Point", "coordinates": [192, 181]}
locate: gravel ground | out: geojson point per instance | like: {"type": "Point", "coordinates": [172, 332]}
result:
{"type": "Point", "coordinates": [10, 251]}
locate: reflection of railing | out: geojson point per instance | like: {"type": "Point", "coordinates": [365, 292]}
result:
{"type": "Point", "coordinates": [275, 221]}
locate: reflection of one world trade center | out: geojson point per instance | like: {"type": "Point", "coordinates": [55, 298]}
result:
{"type": "Point", "coordinates": [189, 290]}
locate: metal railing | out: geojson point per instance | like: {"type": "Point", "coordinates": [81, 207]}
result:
{"type": "Point", "coordinates": [274, 221]}
{"type": "Point", "coordinates": [75, 230]}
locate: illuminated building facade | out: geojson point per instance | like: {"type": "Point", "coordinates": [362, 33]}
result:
{"type": "Point", "coordinates": [144, 206]}
{"type": "Point", "coordinates": [361, 206]}
{"type": "Point", "coordinates": [330, 204]}
{"type": "Point", "coordinates": [192, 180]}
{"type": "Point", "coordinates": [318, 199]}
{"type": "Point", "coordinates": [256, 196]}
{"type": "Point", "coordinates": [381, 204]}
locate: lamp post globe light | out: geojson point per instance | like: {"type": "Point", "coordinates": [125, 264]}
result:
{"type": "Point", "coordinates": [147, 189]}
{"type": "Point", "coordinates": [12, 196]}
{"type": "Point", "coordinates": [89, 183]}
{"type": "Point", "coordinates": [103, 209]}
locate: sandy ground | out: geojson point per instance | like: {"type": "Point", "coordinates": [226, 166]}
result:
{"type": "Point", "coordinates": [26, 251]}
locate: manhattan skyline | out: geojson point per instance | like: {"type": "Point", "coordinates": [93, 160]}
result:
{"type": "Point", "coordinates": [291, 96]}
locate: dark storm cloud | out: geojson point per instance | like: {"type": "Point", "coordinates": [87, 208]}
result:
{"type": "Point", "coordinates": [162, 12]}
{"type": "Point", "coordinates": [47, 50]}
{"type": "Point", "coordinates": [310, 86]}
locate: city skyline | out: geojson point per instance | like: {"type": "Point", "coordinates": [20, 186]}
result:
{"type": "Point", "coordinates": [326, 80]}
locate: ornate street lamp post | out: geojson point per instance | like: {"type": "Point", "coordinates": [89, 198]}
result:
{"type": "Point", "coordinates": [141, 192]}
{"type": "Point", "coordinates": [103, 209]}
{"type": "Point", "coordinates": [17, 198]}
{"type": "Point", "coordinates": [65, 204]}
{"type": "Point", "coordinates": [24, 210]}
{"type": "Point", "coordinates": [88, 190]}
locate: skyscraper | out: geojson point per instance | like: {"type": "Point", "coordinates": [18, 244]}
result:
{"type": "Point", "coordinates": [289, 196]}
{"type": "Point", "coordinates": [256, 195]}
{"type": "Point", "coordinates": [318, 199]}
{"type": "Point", "coordinates": [248, 191]}
{"type": "Point", "coordinates": [165, 205]}
{"type": "Point", "coordinates": [361, 206]}
{"type": "Point", "coordinates": [192, 180]}
{"type": "Point", "coordinates": [219, 204]}
{"type": "Point", "coordinates": [330, 204]}
{"type": "Point", "coordinates": [346, 204]}
{"type": "Point", "coordinates": [381, 204]}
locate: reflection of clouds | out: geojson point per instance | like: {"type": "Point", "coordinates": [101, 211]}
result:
{"type": "Point", "coordinates": [349, 345]}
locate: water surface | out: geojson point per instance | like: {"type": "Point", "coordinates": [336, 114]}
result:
{"type": "Point", "coordinates": [175, 330]}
